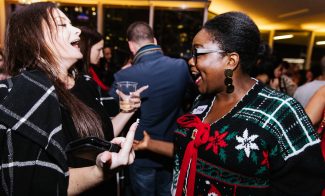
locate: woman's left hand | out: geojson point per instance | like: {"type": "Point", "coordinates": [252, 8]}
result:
{"type": "Point", "coordinates": [124, 157]}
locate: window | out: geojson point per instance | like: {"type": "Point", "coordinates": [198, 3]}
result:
{"type": "Point", "coordinates": [116, 22]}
{"type": "Point", "coordinates": [81, 15]}
{"type": "Point", "coordinates": [175, 30]}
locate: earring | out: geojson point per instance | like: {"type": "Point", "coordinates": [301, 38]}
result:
{"type": "Point", "coordinates": [228, 81]}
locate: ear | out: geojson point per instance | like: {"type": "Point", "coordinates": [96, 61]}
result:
{"type": "Point", "coordinates": [233, 60]}
{"type": "Point", "coordinates": [133, 47]}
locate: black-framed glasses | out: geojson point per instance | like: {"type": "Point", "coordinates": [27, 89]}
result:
{"type": "Point", "coordinates": [200, 51]}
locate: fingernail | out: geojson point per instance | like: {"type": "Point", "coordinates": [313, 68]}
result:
{"type": "Point", "coordinates": [102, 160]}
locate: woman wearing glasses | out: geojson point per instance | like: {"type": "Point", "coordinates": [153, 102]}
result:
{"type": "Point", "coordinates": [242, 138]}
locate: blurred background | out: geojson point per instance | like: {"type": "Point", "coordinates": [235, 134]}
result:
{"type": "Point", "coordinates": [295, 30]}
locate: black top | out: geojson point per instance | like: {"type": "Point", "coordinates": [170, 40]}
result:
{"type": "Point", "coordinates": [86, 91]}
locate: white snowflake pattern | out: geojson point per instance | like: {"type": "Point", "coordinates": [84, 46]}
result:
{"type": "Point", "coordinates": [246, 143]}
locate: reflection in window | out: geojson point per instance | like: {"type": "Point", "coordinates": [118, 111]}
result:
{"type": "Point", "coordinates": [319, 49]}
{"type": "Point", "coordinates": [116, 22]}
{"type": "Point", "coordinates": [175, 30]}
{"type": "Point", "coordinates": [291, 44]}
{"type": "Point", "coordinates": [81, 15]}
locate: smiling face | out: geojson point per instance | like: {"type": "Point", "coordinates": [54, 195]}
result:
{"type": "Point", "coordinates": [62, 38]}
{"type": "Point", "coordinates": [209, 68]}
{"type": "Point", "coordinates": [96, 52]}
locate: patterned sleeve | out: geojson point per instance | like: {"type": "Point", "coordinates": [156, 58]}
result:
{"type": "Point", "coordinates": [297, 167]}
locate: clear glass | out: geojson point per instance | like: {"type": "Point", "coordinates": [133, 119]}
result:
{"type": "Point", "coordinates": [126, 89]}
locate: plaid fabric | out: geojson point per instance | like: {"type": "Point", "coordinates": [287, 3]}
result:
{"type": "Point", "coordinates": [265, 145]}
{"type": "Point", "coordinates": [32, 157]}
{"type": "Point", "coordinates": [284, 117]}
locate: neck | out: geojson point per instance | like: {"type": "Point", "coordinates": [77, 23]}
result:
{"type": "Point", "coordinates": [242, 86]}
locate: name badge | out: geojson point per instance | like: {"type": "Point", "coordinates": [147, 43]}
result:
{"type": "Point", "coordinates": [200, 109]}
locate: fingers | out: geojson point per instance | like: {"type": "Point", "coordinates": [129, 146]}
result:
{"type": "Point", "coordinates": [140, 90]}
{"type": "Point", "coordinates": [145, 134]}
{"type": "Point", "coordinates": [131, 157]}
{"type": "Point", "coordinates": [122, 95]}
{"type": "Point", "coordinates": [104, 158]}
{"type": "Point", "coordinates": [127, 144]}
{"type": "Point", "coordinates": [118, 140]}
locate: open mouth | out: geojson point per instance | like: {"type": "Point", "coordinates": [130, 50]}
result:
{"type": "Point", "coordinates": [75, 43]}
{"type": "Point", "coordinates": [196, 77]}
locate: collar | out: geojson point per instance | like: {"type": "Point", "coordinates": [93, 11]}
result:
{"type": "Point", "coordinates": [144, 50]}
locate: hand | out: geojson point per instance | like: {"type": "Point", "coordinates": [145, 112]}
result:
{"type": "Point", "coordinates": [135, 97]}
{"type": "Point", "coordinates": [124, 157]}
{"type": "Point", "coordinates": [274, 83]}
{"type": "Point", "coordinates": [143, 144]}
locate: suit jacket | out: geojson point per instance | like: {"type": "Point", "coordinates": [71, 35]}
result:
{"type": "Point", "coordinates": [168, 79]}
{"type": "Point", "coordinates": [32, 157]}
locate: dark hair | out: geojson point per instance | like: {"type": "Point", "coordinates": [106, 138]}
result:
{"type": "Point", "coordinates": [1, 52]}
{"type": "Point", "coordinates": [25, 47]}
{"type": "Point", "coordinates": [2, 67]}
{"type": "Point", "coordinates": [140, 31]}
{"type": "Point", "coordinates": [236, 32]}
{"type": "Point", "coordinates": [88, 38]}
{"type": "Point", "coordinates": [316, 70]}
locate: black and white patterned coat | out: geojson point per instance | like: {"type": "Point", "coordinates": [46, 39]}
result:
{"type": "Point", "coordinates": [32, 157]}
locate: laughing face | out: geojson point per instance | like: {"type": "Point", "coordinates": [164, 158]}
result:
{"type": "Point", "coordinates": [208, 64]}
{"type": "Point", "coordinates": [63, 39]}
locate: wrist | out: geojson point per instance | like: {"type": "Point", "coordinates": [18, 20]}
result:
{"type": "Point", "coordinates": [98, 172]}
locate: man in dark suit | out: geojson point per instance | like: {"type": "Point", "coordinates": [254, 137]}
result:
{"type": "Point", "coordinates": [168, 80]}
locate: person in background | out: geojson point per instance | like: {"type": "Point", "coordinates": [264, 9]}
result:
{"type": "Point", "coordinates": [91, 46]}
{"type": "Point", "coordinates": [3, 75]}
{"type": "Point", "coordinates": [262, 71]}
{"type": "Point", "coordinates": [39, 113]}
{"type": "Point", "coordinates": [242, 138]}
{"type": "Point", "coordinates": [168, 78]}
{"type": "Point", "coordinates": [306, 91]}
{"type": "Point", "coordinates": [108, 68]}
{"type": "Point", "coordinates": [315, 109]}
{"type": "Point", "coordinates": [281, 81]}
{"type": "Point", "coordinates": [87, 90]}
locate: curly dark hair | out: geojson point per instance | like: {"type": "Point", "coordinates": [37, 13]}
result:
{"type": "Point", "coordinates": [236, 32]}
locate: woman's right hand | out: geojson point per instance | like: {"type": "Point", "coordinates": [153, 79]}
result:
{"type": "Point", "coordinates": [124, 157]}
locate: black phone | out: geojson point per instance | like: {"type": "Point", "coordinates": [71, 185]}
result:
{"type": "Point", "coordinates": [89, 147]}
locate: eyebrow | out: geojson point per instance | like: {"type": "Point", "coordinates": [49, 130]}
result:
{"type": "Point", "coordinates": [60, 18]}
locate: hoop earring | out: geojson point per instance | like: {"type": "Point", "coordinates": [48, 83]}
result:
{"type": "Point", "coordinates": [228, 81]}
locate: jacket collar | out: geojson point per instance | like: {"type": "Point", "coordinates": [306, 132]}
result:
{"type": "Point", "coordinates": [145, 50]}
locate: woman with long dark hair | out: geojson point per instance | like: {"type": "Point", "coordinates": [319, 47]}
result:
{"type": "Point", "coordinates": [40, 113]}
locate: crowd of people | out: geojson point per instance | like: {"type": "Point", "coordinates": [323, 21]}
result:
{"type": "Point", "coordinates": [233, 120]}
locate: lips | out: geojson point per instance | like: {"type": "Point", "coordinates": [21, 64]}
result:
{"type": "Point", "coordinates": [75, 43]}
{"type": "Point", "coordinates": [196, 77]}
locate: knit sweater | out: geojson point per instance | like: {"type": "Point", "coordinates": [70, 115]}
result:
{"type": "Point", "coordinates": [265, 145]}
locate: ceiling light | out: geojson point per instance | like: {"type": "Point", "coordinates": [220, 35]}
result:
{"type": "Point", "coordinates": [294, 60]}
{"type": "Point", "coordinates": [293, 13]}
{"type": "Point", "coordinates": [320, 43]}
{"type": "Point", "coordinates": [283, 37]}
